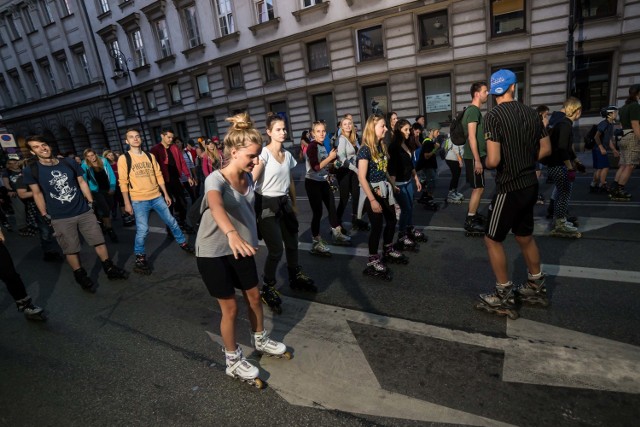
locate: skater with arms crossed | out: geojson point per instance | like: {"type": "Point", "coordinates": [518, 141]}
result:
{"type": "Point", "coordinates": [226, 244]}
{"type": "Point", "coordinates": [515, 139]}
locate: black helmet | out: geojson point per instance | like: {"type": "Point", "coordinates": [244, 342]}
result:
{"type": "Point", "coordinates": [604, 111]}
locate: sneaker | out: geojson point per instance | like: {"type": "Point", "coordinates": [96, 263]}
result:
{"type": "Point", "coordinates": [187, 248]}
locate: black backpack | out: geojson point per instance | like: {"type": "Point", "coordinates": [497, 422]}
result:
{"type": "Point", "coordinates": [127, 157]}
{"type": "Point", "coordinates": [456, 130]}
{"type": "Point", "coordinates": [590, 138]}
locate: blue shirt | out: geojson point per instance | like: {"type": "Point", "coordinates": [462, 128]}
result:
{"type": "Point", "coordinates": [606, 131]}
{"type": "Point", "coordinates": [60, 188]}
{"type": "Point", "coordinates": [376, 171]}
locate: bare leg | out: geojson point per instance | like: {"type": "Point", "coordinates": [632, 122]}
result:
{"type": "Point", "coordinates": [229, 308]}
{"type": "Point", "coordinates": [498, 260]}
{"type": "Point", "coordinates": [102, 252]}
{"type": "Point", "coordinates": [74, 261]}
{"type": "Point", "coordinates": [474, 200]}
{"type": "Point", "coordinates": [530, 253]}
{"type": "Point", "coordinates": [252, 297]}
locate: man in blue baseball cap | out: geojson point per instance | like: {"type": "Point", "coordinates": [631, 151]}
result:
{"type": "Point", "coordinates": [516, 139]}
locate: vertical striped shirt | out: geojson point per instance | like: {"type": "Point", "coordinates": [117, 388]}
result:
{"type": "Point", "coordinates": [518, 129]}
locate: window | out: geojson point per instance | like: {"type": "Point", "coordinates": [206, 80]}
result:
{"type": "Point", "coordinates": [34, 83]}
{"type": "Point", "coordinates": [191, 26]}
{"type": "Point", "coordinates": [376, 100]}
{"type": "Point", "coordinates": [225, 17]}
{"type": "Point", "coordinates": [317, 55]}
{"type": "Point", "coordinates": [104, 6]}
{"type": "Point", "coordinates": [519, 71]}
{"type": "Point", "coordinates": [264, 10]}
{"type": "Point", "coordinates": [436, 92]}
{"type": "Point", "coordinates": [52, 79]}
{"type": "Point", "coordinates": [114, 47]}
{"type": "Point", "coordinates": [84, 64]}
{"type": "Point", "coordinates": [67, 71]}
{"type": "Point", "coordinates": [507, 16]}
{"type": "Point", "coordinates": [308, 3]}
{"type": "Point", "coordinates": [150, 97]}
{"type": "Point", "coordinates": [434, 29]}
{"type": "Point", "coordinates": [45, 9]}
{"type": "Point", "coordinates": [66, 8]}
{"type": "Point", "coordinates": [596, 8]}
{"type": "Point", "coordinates": [272, 67]}
{"type": "Point", "coordinates": [203, 85]}
{"type": "Point", "coordinates": [593, 81]}
{"type": "Point", "coordinates": [181, 131]}
{"type": "Point", "coordinates": [17, 82]}
{"type": "Point", "coordinates": [324, 109]}
{"type": "Point", "coordinates": [234, 73]}
{"type": "Point", "coordinates": [128, 107]}
{"type": "Point", "coordinates": [370, 43]}
{"type": "Point", "coordinates": [163, 38]}
{"type": "Point", "coordinates": [28, 20]}
{"type": "Point", "coordinates": [140, 59]}
{"type": "Point", "coordinates": [13, 29]}
{"type": "Point", "coordinates": [6, 95]}
{"type": "Point", "coordinates": [174, 93]}
{"type": "Point", "coordinates": [280, 108]}
{"type": "Point", "coordinates": [210, 126]}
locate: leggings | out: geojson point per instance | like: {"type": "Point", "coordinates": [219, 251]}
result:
{"type": "Point", "coordinates": [405, 200]}
{"type": "Point", "coordinates": [455, 169]}
{"type": "Point", "coordinates": [389, 216]}
{"type": "Point", "coordinates": [558, 175]}
{"type": "Point", "coordinates": [10, 276]}
{"type": "Point", "coordinates": [318, 193]}
{"type": "Point", "coordinates": [276, 235]}
{"type": "Point", "coordinates": [348, 184]}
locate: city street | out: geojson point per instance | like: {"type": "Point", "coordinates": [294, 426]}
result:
{"type": "Point", "coordinates": [410, 352]}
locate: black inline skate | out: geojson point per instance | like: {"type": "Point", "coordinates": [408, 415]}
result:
{"type": "Point", "coordinates": [393, 256]}
{"type": "Point", "coordinates": [501, 302]}
{"type": "Point", "coordinates": [113, 271]}
{"type": "Point", "coordinates": [533, 292]}
{"type": "Point", "coordinates": [84, 280]}
{"type": "Point", "coordinates": [300, 281]}
{"type": "Point", "coordinates": [406, 243]}
{"type": "Point", "coordinates": [31, 311]}
{"type": "Point", "coordinates": [142, 265]}
{"type": "Point", "coordinates": [271, 297]}
{"type": "Point", "coordinates": [377, 268]}
{"type": "Point", "coordinates": [416, 235]}
{"type": "Point", "coordinates": [619, 195]}
{"type": "Point", "coordinates": [473, 226]}
{"type": "Point", "coordinates": [431, 205]}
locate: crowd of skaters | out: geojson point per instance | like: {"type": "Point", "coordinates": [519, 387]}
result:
{"type": "Point", "coordinates": [240, 191]}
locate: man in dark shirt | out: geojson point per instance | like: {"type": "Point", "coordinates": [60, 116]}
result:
{"type": "Point", "coordinates": [515, 140]}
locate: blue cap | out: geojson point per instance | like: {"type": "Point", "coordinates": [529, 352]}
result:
{"type": "Point", "coordinates": [500, 81]}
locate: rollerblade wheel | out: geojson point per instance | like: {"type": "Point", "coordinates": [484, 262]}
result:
{"type": "Point", "coordinates": [258, 383]}
{"type": "Point", "coordinates": [287, 355]}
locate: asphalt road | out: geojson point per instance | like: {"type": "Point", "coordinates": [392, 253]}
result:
{"type": "Point", "coordinates": [366, 352]}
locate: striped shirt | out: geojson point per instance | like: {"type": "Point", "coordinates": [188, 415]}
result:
{"type": "Point", "coordinates": [518, 129]}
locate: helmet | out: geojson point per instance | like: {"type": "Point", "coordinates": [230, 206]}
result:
{"type": "Point", "coordinates": [604, 111]}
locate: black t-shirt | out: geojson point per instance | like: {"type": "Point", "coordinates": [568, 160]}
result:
{"type": "Point", "coordinates": [102, 179]}
{"type": "Point", "coordinates": [174, 174]}
{"type": "Point", "coordinates": [400, 164]}
{"type": "Point", "coordinates": [13, 178]}
{"type": "Point", "coordinates": [428, 146]}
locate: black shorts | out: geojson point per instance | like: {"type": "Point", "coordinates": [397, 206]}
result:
{"type": "Point", "coordinates": [223, 275]}
{"type": "Point", "coordinates": [512, 212]}
{"type": "Point", "coordinates": [474, 180]}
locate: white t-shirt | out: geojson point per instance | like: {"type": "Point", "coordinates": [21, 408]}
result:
{"type": "Point", "coordinates": [276, 177]}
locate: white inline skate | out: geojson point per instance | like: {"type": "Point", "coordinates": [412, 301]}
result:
{"type": "Point", "coordinates": [240, 368]}
{"type": "Point", "coordinates": [265, 345]}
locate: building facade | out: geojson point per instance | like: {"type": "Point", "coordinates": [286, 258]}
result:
{"type": "Point", "coordinates": [81, 72]}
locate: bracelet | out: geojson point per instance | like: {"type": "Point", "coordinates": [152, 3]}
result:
{"type": "Point", "coordinates": [230, 231]}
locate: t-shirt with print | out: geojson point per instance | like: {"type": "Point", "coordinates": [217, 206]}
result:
{"type": "Point", "coordinates": [211, 241]}
{"type": "Point", "coordinates": [59, 184]}
{"type": "Point", "coordinates": [12, 176]}
{"type": "Point", "coordinates": [276, 176]}
{"type": "Point", "coordinates": [376, 170]}
{"type": "Point", "coordinates": [316, 153]}
{"type": "Point", "coordinates": [144, 180]}
{"type": "Point", "coordinates": [473, 115]}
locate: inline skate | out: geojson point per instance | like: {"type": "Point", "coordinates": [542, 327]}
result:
{"type": "Point", "coordinates": [319, 247]}
{"type": "Point", "coordinates": [31, 311]}
{"type": "Point", "coordinates": [270, 296]}
{"type": "Point", "coordinates": [454, 197]}
{"type": "Point", "coordinates": [84, 280]}
{"type": "Point", "coordinates": [142, 266]}
{"type": "Point", "coordinates": [533, 292]}
{"type": "Point", "coordinates": [416, 235]}
{"type": "Point", "coordinates": [619, 195]}
{"type": "Point", "coordinates": [240, 368]}
{"type": "Point", "coordinates": [473, 226]}
{"type": "Point", "coordinates": [339, 238]}
{"type": "Point", "coordinates": [377, 268]}
{"type": "Point", "coordinates": [300, 281]}
{"type": "Point", "coordinates": [393, 256]}
{"type": "Point", "coordinates": [265, 345]}
{"type": "Point", "coordinates": [565, 229]}
{"type": "Point", "coordinates": [431, 205]}
{"type": "Point", "coordinates": [113, 271]}
{"type": "Point", "coordinates": [501, 302]}
{"type": "Point", "coordinates": [406, 243]}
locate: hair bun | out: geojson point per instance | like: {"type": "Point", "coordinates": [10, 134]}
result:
{"type": "Point", "coordinates": [240, 121]}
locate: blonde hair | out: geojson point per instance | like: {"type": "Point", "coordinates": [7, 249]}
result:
{"type": "Point", "coordinates": [572, 107]}
{"type": "Point", "coordinates": [98, 164]}
{"type": "Point", "coordinates": [352, 134]}
{"type": "Point", "coordinates": [240, 134]}
{"type": "Point", "coordinates": [370, 140]}
{"type": "Point", "coordinates": [106, 153]}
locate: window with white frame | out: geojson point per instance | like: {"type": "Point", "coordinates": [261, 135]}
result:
{"type": "Point", "coordinates": [67, 71]}
{"type": "Point", "coordinates": [202, 81]}
{"type": "Point", "coordinates": [434, 29]}
{"type": "Point", "coordinates": [84, 64]}
{"type": "Point", "coordinates": [272, 67]}
{"type": "Point", "coordinates": [190, 17]}
{"type": "Point", "coordinates": [264, 10]}
{"type": "Point", "coordinates": [34, 83]}
{"type": "Point", "coordinates": [318, 55]}
{"type": "Point", "coordinates": [28, 20]}
{"type": "Point", "coordinates": [150, 97]}
{"type": "Point", "coordinates": [174, 93]}
{"type": "Point", "coordinates": [104, 6]}
{"type": "Point", "coordinates": [52, 79]}
{"type": "Point", "coordinates": [370, 44]}
{"type": "Point", "coordinates": [14, 33]}
{"type": "Point", "coordinates": [234, 73]}
{"type": "Point", "coordinates": [66, 7]}
{"type": "Point", "coordinates": [45, 10]}
{"type": "Point", "coordinates": [137, 47]}
{"type": "Point", "coordinates": [308, 3]}
{"type": "Point", "coordinates": [507, 17]}
{"type": "Point", "coordinates": [225, 17]}
{"type": "Point", "coordinates": [162, 31]}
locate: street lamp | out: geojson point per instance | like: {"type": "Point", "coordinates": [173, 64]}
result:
{"type": "Point", "coordinates": [122, 60]}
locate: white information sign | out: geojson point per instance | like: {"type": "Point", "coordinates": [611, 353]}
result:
{"type": "Point", "coordinates": [438, 102]}
{"type": "Point", "coordinates": [7, 140]}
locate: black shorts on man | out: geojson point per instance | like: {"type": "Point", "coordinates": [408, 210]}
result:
{"type": "Point", "coordinates": [475, 180]}
{"type": "Point", "coordinates": [512, 211]}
